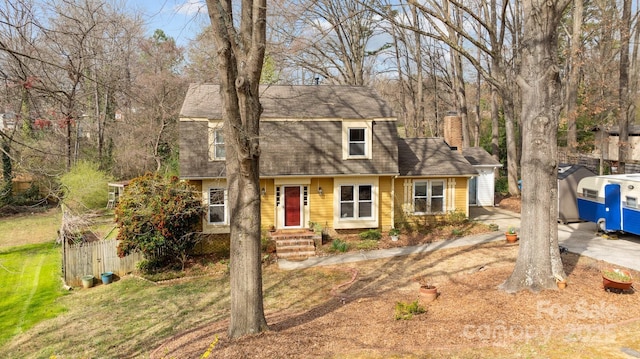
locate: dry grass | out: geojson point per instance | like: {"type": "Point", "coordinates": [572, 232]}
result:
{"type": "Point", "coordinates": [29, 228]}
{"type": "Point", "coordinates": [471, 318]}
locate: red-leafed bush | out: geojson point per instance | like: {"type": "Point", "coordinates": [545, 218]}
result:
{"type": "Point", "coordinates": [159, 217]}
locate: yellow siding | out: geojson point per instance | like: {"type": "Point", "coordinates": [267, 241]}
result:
{"type": "Point", "coordinates": [321, 206]}
{"type": "Point", "coordinates": [398, 195]}
{"type": "Point", "coordinates": [268, 203]}
{"type": "Point", "coordinates": [461, 200]}
{"type": "Point", "coordinates": [457, 193]}
{"type": "Point", "coordinates": [386, 203]}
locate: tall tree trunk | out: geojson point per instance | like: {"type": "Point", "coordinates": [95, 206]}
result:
{"type": "Point", "coordinates": [241, 54]}
{"type": "Point", "coordinates": [420, 120]}
{"type": "Point", "coordinates": [574, 77]}
{"type": "Point", "coordinates": [539, 259]}
{"type": "Point", "coordinates": [512, 145]}
{"type": "Point", "coordinates": [401, 88]}
{"type": "Point", "coordinates": [623, 89]}
{"type": "Point", "coordinates": [476, 105]}
{"type": "Point", "coordinates": [458, 76]}
{"type": "Point", "coordinates": [495, 128]}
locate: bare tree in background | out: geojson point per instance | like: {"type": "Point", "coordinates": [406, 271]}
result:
{"type": "Point", "coordinates": [331, 39]}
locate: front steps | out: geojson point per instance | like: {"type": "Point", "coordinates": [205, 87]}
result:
{"type": "Point", "coordinates": [297, 245]}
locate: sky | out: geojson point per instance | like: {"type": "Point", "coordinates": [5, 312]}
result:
{"type": "Point", "coordinates": [180, 19]}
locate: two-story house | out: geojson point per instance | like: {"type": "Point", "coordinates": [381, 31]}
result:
{"type": "Point", "coordinates": [330, 155]}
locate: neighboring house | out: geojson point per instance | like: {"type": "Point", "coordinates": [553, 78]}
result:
{"type": "Point", "coordinates": [330, 155]}
{"type": "Point", "coordinates": [608, 141]}
{"type": "Point", "coordinates": [7, 121]}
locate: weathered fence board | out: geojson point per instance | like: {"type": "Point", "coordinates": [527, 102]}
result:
{"type": "Point", "coordinates": [95, 258]}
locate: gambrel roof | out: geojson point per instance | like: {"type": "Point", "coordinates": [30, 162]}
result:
{"type": "Point", "coordinates": [301, 131]}
{"type": "Point", "coordinates": [301, 134]}
{"type": "Point", "coordinates": [299, 102]}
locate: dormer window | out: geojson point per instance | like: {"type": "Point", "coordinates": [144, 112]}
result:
{"type": "Point", "coordinates": [356, 139]}
{"type": "Point", "coordinates": [357, 143]}
{"type": "Point", "coordinates": [216, 142]}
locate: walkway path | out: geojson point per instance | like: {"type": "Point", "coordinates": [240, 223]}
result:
{"type": "Point", "coordinates": [578, 238]}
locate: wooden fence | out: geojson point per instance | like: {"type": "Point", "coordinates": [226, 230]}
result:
{"type": "Point", "coordinates": [95, 258]}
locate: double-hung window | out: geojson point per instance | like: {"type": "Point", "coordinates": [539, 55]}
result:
{"type": "Point", "coordinates": [356, 201]}
{"type": "Point", "coordinates": [216, 142]}
{"type": "Point", "coordinates": [357, 142]}
{"type": "Point", "coordinates": [217, 206]}
{"type": "Point", "coordinates": [357, 139]}
{"type": "Point", "coordinates": [428, 197]}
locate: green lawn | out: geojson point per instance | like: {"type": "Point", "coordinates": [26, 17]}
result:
{"type": "Point", "coordinates": [29, 287]}
{"type": "Point", "coordinates": [131, 317]}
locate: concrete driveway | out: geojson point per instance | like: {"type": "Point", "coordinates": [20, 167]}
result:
{"type": "Point", "coordinates": [580, 238]}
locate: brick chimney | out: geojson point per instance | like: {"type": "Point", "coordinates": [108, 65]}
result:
{"type": "Point", "coordinates": [453, 130]}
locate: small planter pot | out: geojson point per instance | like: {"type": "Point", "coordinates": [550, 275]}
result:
{"type": "Point", "coordinates": [394, 238]}
{"type": "Point", "coordinates": [87, 281]}
{"type": "Point", "coordinates": [562, 284]}
{"type": "Point", "coordinates": [107, 277]}
{"type": "Point", "coordinates": [608, 281]}
{"type": "Point", "coordinates": [429, 294]}
{"type": "Point", "coordinates": [511, 237]}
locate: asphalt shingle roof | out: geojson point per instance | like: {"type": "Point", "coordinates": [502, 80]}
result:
{"type": "Point", "coordinates": [300, 102]}
{"type": "Point", "coordinates": [478, 156]}
{"type": "Point", "coordinates": [431, 157]}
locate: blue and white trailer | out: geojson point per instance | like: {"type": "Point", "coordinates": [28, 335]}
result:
{"type": "Point", "coordinates": [611, 202]}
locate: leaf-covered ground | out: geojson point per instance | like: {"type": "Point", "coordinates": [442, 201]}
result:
{"type": "Point", "coordinates": [470, 318]}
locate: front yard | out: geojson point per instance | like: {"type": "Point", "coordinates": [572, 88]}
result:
{"type": "Point", "coordinates": [312, 315]}
{"type": "Point", "coordinates": [343, 311]}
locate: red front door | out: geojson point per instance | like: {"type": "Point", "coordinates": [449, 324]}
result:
{"type": "Point", "coordinates": [292, 206]}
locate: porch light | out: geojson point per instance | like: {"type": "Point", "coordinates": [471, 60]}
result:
{"type": "Point", "coordinates": [320, 192]}
{"type": "Point", "coordinates": [263, 191]}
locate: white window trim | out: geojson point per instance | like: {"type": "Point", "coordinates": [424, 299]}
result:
{"type": "Point", "coordinates": [214, 126]}
{"type": "Point", "coordinates": [368, 138]}
{"type": "Point", "coordinates": [429, 196]}
{"type": "Point", "coordinates": [225, 205]}
{"type": "Point", "coordinates": [356, 222]}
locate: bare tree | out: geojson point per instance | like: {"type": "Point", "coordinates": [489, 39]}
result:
{"type": "Point", "coordinates": [241, 48]}
{"type": "Point", "coordinates": [539, 260]}
{"type": "Point", "coordinates": [573, 77]}
{"type": "Point", "coordinates": [331, 39]}
{"type": "Point", "coordinates": [623, 87]}
{"type": "Point", "coordinates": [501, 24]}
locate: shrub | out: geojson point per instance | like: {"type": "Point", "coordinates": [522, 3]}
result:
{"type": "Point", "coordinates": [158, 217]}
{"type": "Point", "coordinates": [456, 217]}
{"type": "Point", "coordinates": [457, 232]}
{"type": "Point", "coordinates": [85, 187]}
{"type": "Point", "coordinates": [373, 234]}
{"type": "Point", "coordinates": [405, 311]}
{"type": "Point", "coordinates": [367, 244]}
{"type": "Point", "coordinates": [147, 266]}
{"type": "Point", "coordinates": [338, 245]}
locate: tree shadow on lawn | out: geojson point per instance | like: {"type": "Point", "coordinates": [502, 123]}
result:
{"type": "Point", "coordinates": [468, 278]}
{"type": "Point", "coordinates": [385, 275]}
